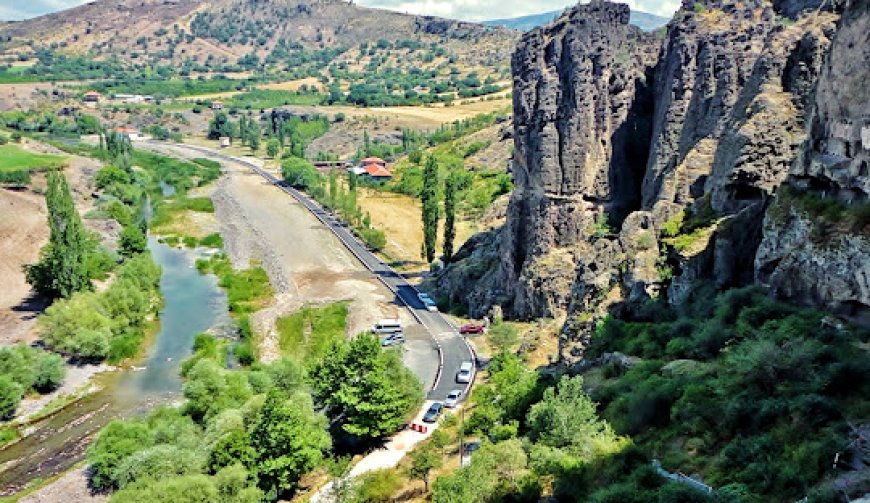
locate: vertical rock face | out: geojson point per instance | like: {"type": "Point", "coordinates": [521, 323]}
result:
{"type": "Point", "coordinates": [609, 122]}
{"type": "Point", "coordinates": [582, 99]}
{"type": "Point", "coordinates": [819, 254]}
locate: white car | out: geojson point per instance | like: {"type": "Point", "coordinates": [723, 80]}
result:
{"type": "Point", "coordinates": [452, 399]}
{"type": "Point", "coordinates": [464, 374]}
{"type": "Point", "coordinates": [427, 301]}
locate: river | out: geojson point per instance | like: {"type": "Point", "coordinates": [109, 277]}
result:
{"type": "Point", "coordinates": [193, 303]}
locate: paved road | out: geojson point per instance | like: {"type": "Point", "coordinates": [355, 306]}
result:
{"type": "Point", "coordinates": [452, 347]}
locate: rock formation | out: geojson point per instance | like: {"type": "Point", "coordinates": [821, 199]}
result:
{"type": "Point", "coordinates": [643, 166]}
{"type": "Point", "coordinates": [816, 244]}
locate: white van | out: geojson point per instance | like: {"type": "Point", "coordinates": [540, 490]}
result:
{"type": "Point", "coordinates": [387, 327]}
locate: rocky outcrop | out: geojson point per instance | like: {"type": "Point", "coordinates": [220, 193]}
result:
{"type": "Point", "coordinates": [640, 173]}
{"type": "Point", "coordinates": [582, 99]}
{"type": "Point", "coordinates": [816, 244]}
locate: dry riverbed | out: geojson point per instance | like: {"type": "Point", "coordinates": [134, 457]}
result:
{"type": "Point", "coordinates": [306, 264]}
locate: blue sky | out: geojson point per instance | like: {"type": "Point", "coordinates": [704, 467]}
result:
{"type": "Point", "coordinates": [472, 10]}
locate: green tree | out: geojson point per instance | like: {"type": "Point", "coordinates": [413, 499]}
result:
{"type": "Point", "coordinates": [451, 186]}
{"type": "Point", "coordinates": [566, 418]}
{"type": "Point", "coordinates": [369, 392]}
{"type": "Point", "coordinates": [423, 461]}
{"type": "Point", "coordinates": [62, 269]}
{"type": "Point", "coordinates": [50, 371]}
{"type": "Point", "coordinates": [289, 440]}
{"type": "Point", "coordinates": [132, 241]}
{"type": "Point", "coordinates": [220, 126]}
{"type": "Point", "coordinates": [429, 197]}
{"type": "Point", "coordinates": [117, 441]}
{"type": "Point", "coordinates": [10, 396]}
{"type": "Point", "coordinates": [273, 147]}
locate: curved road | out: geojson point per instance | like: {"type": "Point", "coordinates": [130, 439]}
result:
{"type": "Point", "coordinates": [452, 348]}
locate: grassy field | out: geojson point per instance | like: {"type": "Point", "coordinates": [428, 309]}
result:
{"type": "Point", "coordinates": [15, 158]}
{"type": "Point", "coordinates": [308, 334]}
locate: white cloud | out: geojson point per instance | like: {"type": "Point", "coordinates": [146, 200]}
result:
{"type": "Point", "coordinates": [471, 10]}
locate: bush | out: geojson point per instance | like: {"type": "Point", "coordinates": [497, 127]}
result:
{"type": "Point", "coordinates": [373, 238]}
{"type": "Point", "coordinates": [50, 372]}
{"type": "Point", "coordinates": [377, 486]}
{"type": "Point", "coordinates": [117, 441]}
{"type": "Point", "coordinates": [10, 396]}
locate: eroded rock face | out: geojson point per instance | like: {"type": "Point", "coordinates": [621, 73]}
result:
{"type": "Point", "coordinates": [610, 122]}
{"type": "Point", "coordinates": [815, 258]}
{"type": "Point", "coordinates": [582, 103]}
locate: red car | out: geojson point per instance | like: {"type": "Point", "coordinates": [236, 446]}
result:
{"type": "Point", "coordinates": [471, 328]}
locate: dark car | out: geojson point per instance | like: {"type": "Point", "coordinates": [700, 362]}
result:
{"type": "Point", "coordinates": [471, 328]}
{"type": "Point", "coordinates": [432, 414]}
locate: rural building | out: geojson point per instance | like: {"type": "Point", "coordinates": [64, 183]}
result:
{"type": "Point", "coordinates": [133, 134]}
{"type": "Point", "coordinates": [225, 141]}
{"type": "Point", "coordinates": [92, 97]}
{"type": "Point", "coordinates": [378, 173]}
{"type": "Point", "coordinates": [373, 160]}
{"type": "Point", "coordinates": [326, 166]}
{"type": "Point", "coordinates": [217, 105]}
{"type": "Point", "coordinates": [133, 98]}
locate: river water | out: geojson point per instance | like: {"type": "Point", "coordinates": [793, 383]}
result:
{"type": "Point", "coordinates": [193, 303]}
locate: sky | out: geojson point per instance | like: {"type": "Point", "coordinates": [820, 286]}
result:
{"type": "Point", "coordinates": [471, 10]}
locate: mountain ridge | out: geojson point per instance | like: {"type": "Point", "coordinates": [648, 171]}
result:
{"type": "Point", "coordinates": [643, 20]}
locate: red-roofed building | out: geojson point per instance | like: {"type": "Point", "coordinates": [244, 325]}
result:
{"type": "Point", "coordinates": [373, 160]}
{"type": "Point", "coordinates": [378, 173]}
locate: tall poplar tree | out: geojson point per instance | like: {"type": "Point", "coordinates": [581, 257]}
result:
{"type": "Point", "coordinates": [429, 196]}
{"type": "Point", "coordinates": [62, 267]}
{"type": "Point", "coordinates": [451, 185]}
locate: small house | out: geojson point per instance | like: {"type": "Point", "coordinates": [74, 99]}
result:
{"type": "Point", "coordinates": [92, 97]}
{"type": "Point", "coordinates": [378, 173]}
{"type": "Point", "coordinates": [217, 105]}
{"type": "Point", "coordinates": [132, 134]}
{"type": "Point", "coordinates": [225, 141]}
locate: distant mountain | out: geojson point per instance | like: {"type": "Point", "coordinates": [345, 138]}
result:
{"type": "Point", "coordinates": [223, 32]}
{"type": "Point", "coordinates": [643, 20]}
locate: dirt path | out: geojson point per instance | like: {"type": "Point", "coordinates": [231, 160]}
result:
{"type": "Point", "coordinates": [305, 263]}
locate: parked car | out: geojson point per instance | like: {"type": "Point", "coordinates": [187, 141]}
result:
{"type": "Point", "coordinates": [471, 328]}
{"type": "Point", "coordinates": [452, 399]}
{"type": "Point", "coordinates": [464, 373]}
{"type": "Point", "coordinates": [427, 301]}
{"type": "Point", "coordinates": [393, 340]}
{"type": "Point", "coordinates": [469, 449]}
{"type": "Point", "coordinates": [432, 414]}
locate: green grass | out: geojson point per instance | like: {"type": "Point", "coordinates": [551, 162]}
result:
{"type": "Point", "coordinates": [307, 334]}
{"type": "Point", "coordinates": [247, 290]}
{"type": "Point", "coordinates": [164, 212]}
{"type": "Point", "coordinates": [8, 434]}
{"type": "Point", "coordinates": [271, 98]}
{"type": "Point", "coordinates": [15, 158]}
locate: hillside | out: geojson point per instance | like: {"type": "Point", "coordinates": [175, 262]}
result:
{"type": "Point", "coordinates": [196, 36]}
{"type": "Point", "coordinates": [643, 20]}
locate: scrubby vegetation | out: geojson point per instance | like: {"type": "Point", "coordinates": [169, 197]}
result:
{"type": "Point", "coordinates": [751, 395]}
{"type": "Point", "coordinates": [24, 369]}
{"type": "Point", "coordinates": [110, 324]}
{"type": "Point", "coordinates": [251, 435]}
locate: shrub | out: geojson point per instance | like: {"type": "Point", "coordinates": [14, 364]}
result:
{"type": "Point", "coordinates": [50, 372]}
{"type": "Point", "coordinates": [10, 396]}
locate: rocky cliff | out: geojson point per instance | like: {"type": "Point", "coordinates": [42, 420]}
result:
{"type": "Point", "coordinates": [644, 165]}
{"type": "Point", "coordinates": [816, 244]}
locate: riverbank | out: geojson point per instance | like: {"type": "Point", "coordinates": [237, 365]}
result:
{"type": "Point", "coordinates": [305, 263]}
